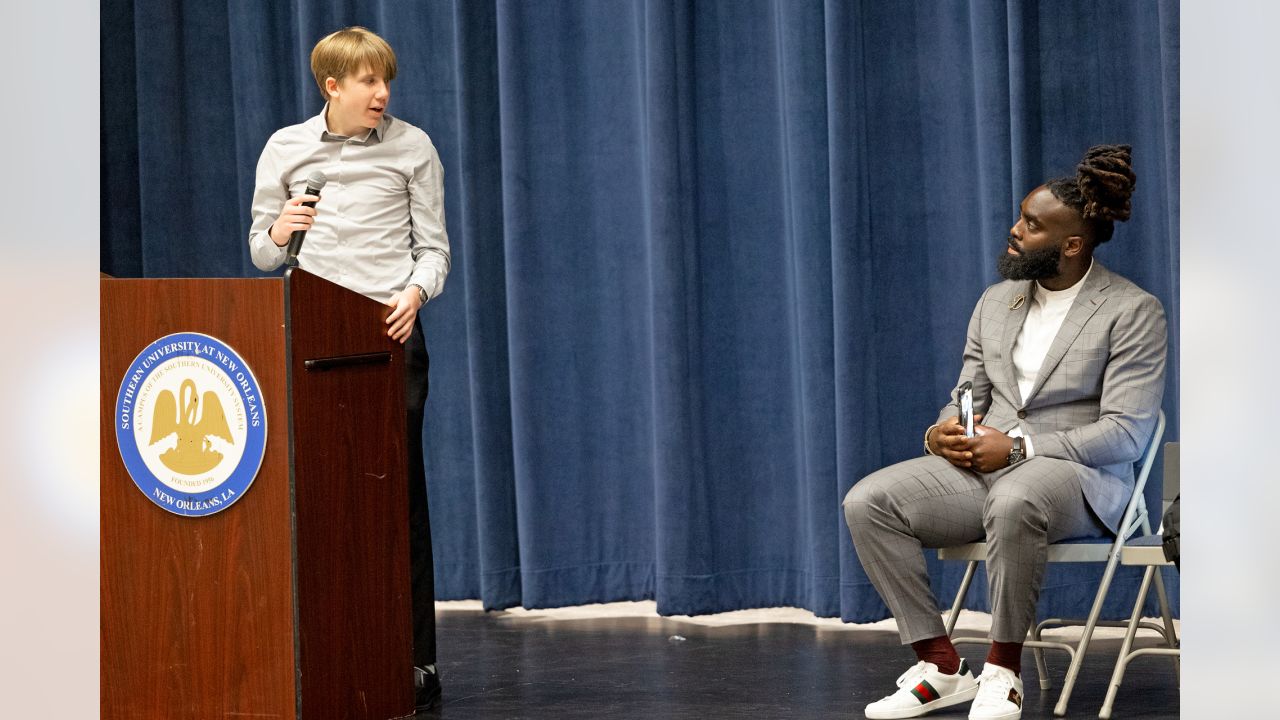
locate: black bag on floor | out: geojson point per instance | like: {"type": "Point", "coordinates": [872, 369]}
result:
{"type": "Point", "coordinates": [1171, 533]}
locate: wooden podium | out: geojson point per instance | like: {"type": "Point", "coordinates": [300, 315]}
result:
{"type": "Point", "coordinates": [292, 602]}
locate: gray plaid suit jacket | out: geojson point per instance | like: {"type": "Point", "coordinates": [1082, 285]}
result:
{"type": "Point", "coordinates": [1097, 396]}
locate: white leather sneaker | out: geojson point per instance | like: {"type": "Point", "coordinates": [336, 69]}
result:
{"type": "Point", "coordinates": [999, 695]}
{"type": "Point", "coordinates": [922, 689]}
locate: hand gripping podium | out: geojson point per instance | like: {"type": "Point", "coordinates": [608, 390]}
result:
{"type": "Point", "coordinates": [293, 600]}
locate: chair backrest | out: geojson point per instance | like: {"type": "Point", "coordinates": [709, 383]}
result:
{"type": "Point", "coordinates": [1171, 471]}
{"type": "Point", "coordinates": [1135, 514]}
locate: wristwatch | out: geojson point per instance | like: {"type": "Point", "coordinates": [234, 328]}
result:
{"type": "Point", "coordinates": [1016, 453]}
{"type": "Point", "coordinates": [422, 293]}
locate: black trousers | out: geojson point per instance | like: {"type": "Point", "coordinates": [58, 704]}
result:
{"type": "Point", "coordinates": [421, 567]}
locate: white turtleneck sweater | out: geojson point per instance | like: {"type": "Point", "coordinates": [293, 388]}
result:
{"type": "Point", "coordinates": [1044, 318]}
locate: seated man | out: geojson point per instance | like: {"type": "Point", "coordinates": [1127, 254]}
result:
{"type": "Point", "coordinates": [1066, 361]}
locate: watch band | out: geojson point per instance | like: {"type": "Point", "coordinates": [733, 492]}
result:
{"type": "Point", "coordinates": [1016, 453]}
{"type": "Point", "coordinates": [422, 293]}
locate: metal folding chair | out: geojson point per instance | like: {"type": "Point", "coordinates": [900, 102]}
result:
{"type": "Point", "coordinates": [1148, 551]}
{"type": "Point", "coordinates": [1096, 550]}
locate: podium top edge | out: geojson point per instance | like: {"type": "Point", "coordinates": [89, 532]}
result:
{"type": "Point", "coordinates": [105, 277]}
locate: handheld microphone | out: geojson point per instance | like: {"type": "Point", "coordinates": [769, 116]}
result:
{"type": "Point", "coordinates": [315, 182]}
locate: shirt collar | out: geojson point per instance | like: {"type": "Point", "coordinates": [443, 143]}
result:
{"type": "Point", "coordinates": [1044, 294]}
{"type": "Point", "coordinates": [317, 127]}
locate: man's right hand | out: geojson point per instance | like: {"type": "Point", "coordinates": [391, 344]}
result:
{"type": "Point", "coordinates": [949, 442]}
{"type": "Point", "coordinates": [293, 216]}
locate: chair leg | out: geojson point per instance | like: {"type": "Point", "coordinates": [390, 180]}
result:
{"type": "Point", "coordinates": [1171, 638]}
{"type": "Point", "coordinates": [1042, 670]}
{"type": "Point", "coordinates": [1122, 661]}
{"type": "Point", "coordinates": [1073, 671]}
{"type": "Point", "coordinates": [964, 590]}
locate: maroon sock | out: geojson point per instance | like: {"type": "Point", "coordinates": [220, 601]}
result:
{"type": "Point", "coordinates": [940, 652]}
{"type": "Point", "coordinates": [1006, 655]}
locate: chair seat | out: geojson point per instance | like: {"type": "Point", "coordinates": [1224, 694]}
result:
{"type": "Point", "coordinates": [1145, 550]}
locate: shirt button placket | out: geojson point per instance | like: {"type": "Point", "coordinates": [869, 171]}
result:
{"type": "Point", "coordinates": [338, 201]}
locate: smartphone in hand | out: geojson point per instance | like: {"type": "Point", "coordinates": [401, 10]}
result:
{"type": "Point", "coordinates": [966, 408]}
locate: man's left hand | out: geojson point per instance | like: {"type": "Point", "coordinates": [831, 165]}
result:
{"type": "Point", "coordinates": [990, 448]}
{"type": "Point", "coordinates": [405, 306]}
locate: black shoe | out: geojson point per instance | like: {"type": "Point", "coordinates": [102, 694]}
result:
{"type": "Point", "coordinates": [427, 694]}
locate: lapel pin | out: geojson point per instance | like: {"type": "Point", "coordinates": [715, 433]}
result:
{"type": "Point", "coordinates": [1017, 302]}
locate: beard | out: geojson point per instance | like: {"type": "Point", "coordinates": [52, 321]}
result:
{"type": "Point", "coordinates": [1030, 264]}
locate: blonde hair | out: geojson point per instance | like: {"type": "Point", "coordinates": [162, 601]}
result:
{"type": "Point", "coordinates": [344, 52]}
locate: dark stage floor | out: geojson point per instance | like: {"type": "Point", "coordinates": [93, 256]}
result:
{"type": "Point", "coordinates": [503, 665]}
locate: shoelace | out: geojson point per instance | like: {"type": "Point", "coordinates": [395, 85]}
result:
{"type": "Point", "coordinates": [913, 674]}
{"type": "Point", "coordinates": [993, 689]}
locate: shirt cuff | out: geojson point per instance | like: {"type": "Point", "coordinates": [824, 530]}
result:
{"type": "Point", "coordinates": [264, 250]}
{"type": "Point", "coordinates": [429, 280]}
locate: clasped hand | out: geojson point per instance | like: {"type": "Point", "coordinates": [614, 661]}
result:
{"type": "Point", "coordinates": [987, 451]}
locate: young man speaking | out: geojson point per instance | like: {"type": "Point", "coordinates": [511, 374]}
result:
{"type": "Point", "coordinates": [379, 231]}
{"type": "Point", "coordinates": [1066, 361]}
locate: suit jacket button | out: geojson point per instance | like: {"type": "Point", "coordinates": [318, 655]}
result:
{"type": "Point", "coordinates": [1022, 414]}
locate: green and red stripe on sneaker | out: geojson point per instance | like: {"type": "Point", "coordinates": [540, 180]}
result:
{"type": "Point", "coordinates": [924, 692]}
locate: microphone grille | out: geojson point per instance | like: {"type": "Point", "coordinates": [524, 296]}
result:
{"type": "Point", "coordinates": [317, 180]}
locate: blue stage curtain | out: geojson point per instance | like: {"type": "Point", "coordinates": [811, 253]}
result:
{"type": "Point", "coordinates": [713, 261]}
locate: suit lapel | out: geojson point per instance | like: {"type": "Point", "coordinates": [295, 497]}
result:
{"type": "Point", "coordinates": [1017, 316]}
{"type": "Point", "coordinates": [1091, 298]}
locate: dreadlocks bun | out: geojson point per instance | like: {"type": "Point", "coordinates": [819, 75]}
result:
{"type": "Point", "coordinates": [1106, 181]}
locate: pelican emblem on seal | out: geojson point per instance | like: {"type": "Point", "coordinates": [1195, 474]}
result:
{"type": "Point", "coordinates": [194, 426]}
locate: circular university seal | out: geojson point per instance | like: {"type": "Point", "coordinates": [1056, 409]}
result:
{"type": "Point", "coordinates": [190, 424]}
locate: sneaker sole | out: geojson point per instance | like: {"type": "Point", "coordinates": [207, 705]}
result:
{"type": "Point", "coordinates": [946, 701]}
{"type": "Point", "coordinates": [1017, 715]}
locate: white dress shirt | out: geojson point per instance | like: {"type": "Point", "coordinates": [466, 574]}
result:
{"type": "Point", "coordinates": [379, 225]}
